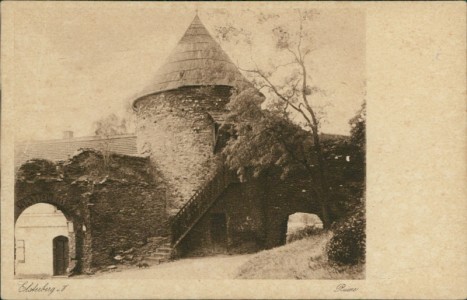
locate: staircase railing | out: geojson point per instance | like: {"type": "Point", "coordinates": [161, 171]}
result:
{"type": "Point", "coordinates": [199, 203]}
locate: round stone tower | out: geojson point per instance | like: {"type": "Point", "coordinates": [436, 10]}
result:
{"type": "Point", "coordinates": [179, 117]}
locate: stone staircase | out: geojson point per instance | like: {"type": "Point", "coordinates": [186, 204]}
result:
{"type": "Point", "coordinates": [156, 251]}
{"type": "Point", "coordinates": [162, 254]}
{"type": "Point", "coordinates": [163, 249]}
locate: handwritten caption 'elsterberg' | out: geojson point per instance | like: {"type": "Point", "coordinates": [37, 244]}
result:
{"type": "Point", "coordinates": [34, 287]}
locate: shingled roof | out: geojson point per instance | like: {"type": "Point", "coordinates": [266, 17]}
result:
{"type": "Point", "coordinates": [62, 149]}
{"type": "Point", "coordinates": [196, 60]}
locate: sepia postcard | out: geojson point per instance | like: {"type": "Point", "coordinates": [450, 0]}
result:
{"type": "Point", "coordinates": [233, 150]}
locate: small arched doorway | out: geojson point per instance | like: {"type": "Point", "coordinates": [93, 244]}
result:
{"type": "Point", "coordinates": [39, 229]}
{"type": "Point", "coordinates": [60, 255]}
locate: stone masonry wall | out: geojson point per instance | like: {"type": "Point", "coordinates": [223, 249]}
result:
{"type": "Point", "coordinates": [283, 198]}
{"type": "Point", "coordinates": [241, 203]}
{"type": "Point", "coordinates": [257, 212]}
{"type": "Point", "coordinates": [114, 205]}
{"type": "Point", "coordinates": [124, 216]}
{"type": "Point", "coordinates": [176, 129]}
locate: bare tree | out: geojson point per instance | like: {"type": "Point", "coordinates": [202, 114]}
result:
{"type": "Point", "coordinates": [106, 128]}
{"type": "Point", "coordinates": [293, 96]}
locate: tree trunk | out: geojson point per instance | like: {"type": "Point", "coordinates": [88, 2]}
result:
{"type": "Point", "coordinates": [323, 201]}
{"type": "Point", "coordinates": [325, 215]}
{"type": "Point", "coordinates": [323, 185]}
{"type": "Point", "coordinates": [314, 124]}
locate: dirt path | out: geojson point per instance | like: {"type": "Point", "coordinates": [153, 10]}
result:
{"type": "Point", "coordinates": [214, 267]}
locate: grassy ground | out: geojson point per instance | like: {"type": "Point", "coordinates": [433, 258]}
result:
{"type": "Point", "coordinates": [303, 259]}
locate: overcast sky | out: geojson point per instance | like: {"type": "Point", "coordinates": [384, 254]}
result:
{"type": "Point", "coordinates": [77, 62]}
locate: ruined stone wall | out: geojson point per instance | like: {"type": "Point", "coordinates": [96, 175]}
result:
{"type": "Point", "coordinates": [114, 205]}
{"type": "Point", "coordinates": [42, 181]}
{"type": "Point", "coordinates": [175, 127]}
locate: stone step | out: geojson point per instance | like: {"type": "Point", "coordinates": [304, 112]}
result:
{"type": "Point", "coordinates": [156, 260]}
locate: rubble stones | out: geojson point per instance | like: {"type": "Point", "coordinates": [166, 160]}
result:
{"type": "Point", "coordinates": [118, 258]}
{"type": "Point", "coordinates": [131, 250]}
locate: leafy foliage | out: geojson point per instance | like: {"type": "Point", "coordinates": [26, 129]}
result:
{"type": "Point", "coordinates": [358, 142]}
{"type": "Point", "coordinates": [345, 173]}
{"type": "Point", "coordinates": [264, 138]}
{"type": "Point", "coordinates": [348, 244]}
{"type": "Point", "coordinates": [37, 169]}
{"type": "Point", "coordinates": [358, 129]}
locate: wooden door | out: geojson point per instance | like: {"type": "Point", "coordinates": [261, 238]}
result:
{"type": "Point", "coordinates": [60, 255]}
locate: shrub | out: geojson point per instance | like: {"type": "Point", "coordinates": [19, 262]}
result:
{"type": "Point", "coordinates": [303, 233]}
{"type": "Point", "coordinates": [347, 246]}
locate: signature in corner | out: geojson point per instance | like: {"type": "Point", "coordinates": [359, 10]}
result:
{"type": "Point", "coordinates": [343, 288]}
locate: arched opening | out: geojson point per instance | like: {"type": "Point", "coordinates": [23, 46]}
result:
{"type": "Point", "coordinates": [300, 225]}
{"type": "Point", "coordinates": [44, 239]}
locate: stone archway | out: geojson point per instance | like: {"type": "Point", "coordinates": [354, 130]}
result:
{"type": "Point", "coordinates": [77, 258]}
{"type": "Point", "coordinates": [48, 198]}
{"type": "Point", "coordinates": [279, 225]}
{"type": "Point", "coordinates": [284, 201]}
{"type": "Point", "coordinates": [301, 224]}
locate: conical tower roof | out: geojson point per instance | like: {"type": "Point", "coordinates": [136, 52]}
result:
{"type": "Point", "coordinates": [196, 60]}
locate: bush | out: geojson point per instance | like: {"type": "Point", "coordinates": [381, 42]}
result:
{"type": "Point", "coordinates": [347, 246]}
{"type": "Point", "coordinates": [303, 233]}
